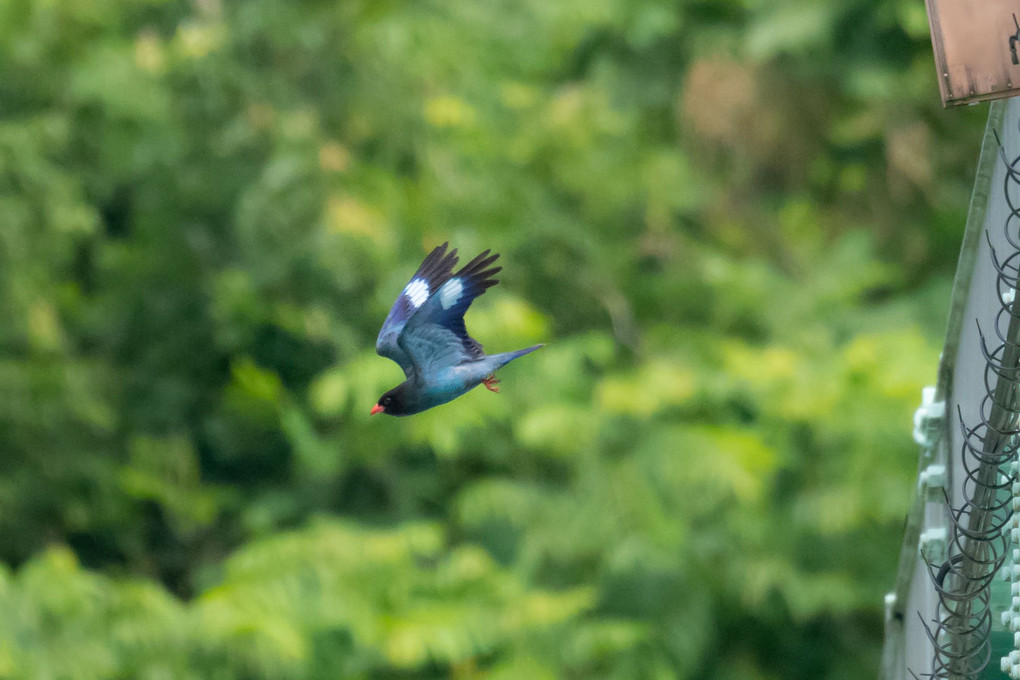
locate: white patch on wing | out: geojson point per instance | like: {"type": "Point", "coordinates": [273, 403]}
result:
{"type": "Point", "coordinates": [450, 293]}
{"type": "Point", "coordinates": [417, 292]}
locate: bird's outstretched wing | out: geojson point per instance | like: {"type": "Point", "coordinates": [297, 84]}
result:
{"type": "Point", "coordinates": [435, 337]}
{"type": "Point", "coordinates": [434, 271]}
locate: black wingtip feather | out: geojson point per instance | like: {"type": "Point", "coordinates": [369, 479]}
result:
{"type": "Point", "coordinates": [480, 262]}
{"type": "Point", "coordinates": [485, 279]}
{"type": "Point", "coordinates": [437, 265]}
{"type": "Point", "coordinates": [477, 270]}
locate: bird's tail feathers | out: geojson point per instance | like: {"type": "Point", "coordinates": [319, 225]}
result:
{"type": "Point", "coordinates": [506, 357]}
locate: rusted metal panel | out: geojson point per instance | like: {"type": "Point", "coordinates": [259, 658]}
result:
{"type": "Point", "coordinates": [977, 48]}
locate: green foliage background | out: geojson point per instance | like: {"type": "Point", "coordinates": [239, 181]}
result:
{"type": "Point", "coordinates": [734, 222]}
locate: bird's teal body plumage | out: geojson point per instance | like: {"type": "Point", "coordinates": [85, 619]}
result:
{"type": "Point", "coordinates": [451, 382]}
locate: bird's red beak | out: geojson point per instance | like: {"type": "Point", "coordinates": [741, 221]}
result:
{"type": "Point", "coordinates": [376, 409]}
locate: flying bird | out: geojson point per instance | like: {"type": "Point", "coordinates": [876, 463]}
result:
{"type": "Point", "coordinates": [424, 333]}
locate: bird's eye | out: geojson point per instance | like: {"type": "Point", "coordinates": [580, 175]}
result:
{"type": "Point", "coordinates": [387, 401]}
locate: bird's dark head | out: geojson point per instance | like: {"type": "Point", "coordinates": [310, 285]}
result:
{"type": "Point", "coordinates": [393, 402]}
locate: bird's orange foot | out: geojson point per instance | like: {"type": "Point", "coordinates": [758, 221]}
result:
{"type": "Point", "coordinates": [491, 383]}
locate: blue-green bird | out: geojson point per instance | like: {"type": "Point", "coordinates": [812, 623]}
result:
{"type": "Point", "coordinates": [424, 333]}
